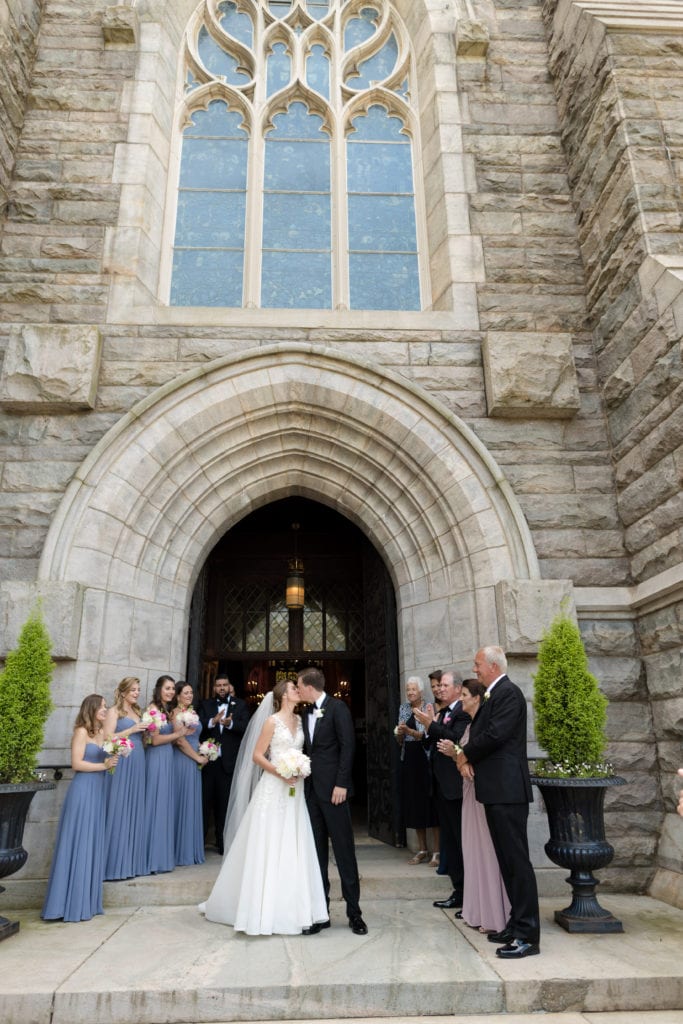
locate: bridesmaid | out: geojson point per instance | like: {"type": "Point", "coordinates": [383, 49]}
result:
{"type": "Point", "coordinates": [125, 832]}
{"type": "Point", "coordinates": [74, 889]}
{"type": "Point", "coordinates": [189, 825]}
{"type": "Point", "coordinates": [160, 782]}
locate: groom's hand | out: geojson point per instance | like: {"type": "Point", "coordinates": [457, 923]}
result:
{"type": "Point", "coordinates": [338, 795]}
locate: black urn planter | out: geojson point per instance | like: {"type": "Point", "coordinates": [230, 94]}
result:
{"type": "Point", "coordinates": [575, 809]}
{"type": "Point", "coordinates": [15, 800]}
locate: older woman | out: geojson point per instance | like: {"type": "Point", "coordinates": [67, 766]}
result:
{"type": "Point", "coordinates": [485, 902]}
{"type": "Point", "coordinates": [418, 807]}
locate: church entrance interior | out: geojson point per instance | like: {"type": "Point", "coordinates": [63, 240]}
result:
{"type": "Point", "coordinates": [295, 584]}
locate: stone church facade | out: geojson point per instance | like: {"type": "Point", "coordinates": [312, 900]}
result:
{"type": "Point", "coordinates": [513, 441]}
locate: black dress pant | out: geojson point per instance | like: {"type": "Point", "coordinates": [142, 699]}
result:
{"type": "Point", "coordinates": [333, 822]}
{"type": "Point", "coordinates": [450, 823]}
{"type": "Point", "coordinates": [216, 784]}
{"type": "Point", "coordinates": [508, 827]}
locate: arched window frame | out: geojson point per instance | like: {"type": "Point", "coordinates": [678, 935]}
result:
{"type": "Point", "coordinates": [258, 110]}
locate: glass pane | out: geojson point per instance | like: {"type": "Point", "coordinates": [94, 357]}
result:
{"type": "Point", "coordinates": [296, 280]}
{"type": "Point", "coordinates": [213, 163]}
{"type": "Point", "coordinates": [236, 23]}
{"type": "Point", "coordinates": [297, 123]}
{"type": "Point", "coordinates": [360, 29]}
{"type": "Point", "coordinates": [217, 61]}
{"type": "Point", "coordinates": [217, 122]}
{"type": "Point", "coordinates": [335, 634]}
{"type": "Point", "coordinates": [278, 65]}
{"type": "Point", "coordinates": [280, 8]}
{"type": "Point", "coordinates": [388, 281]}
{"type": "Point", "coordinates": [294, 166]}
{"type": "Point", "coordinates": [356, 640]}
{"type": "Point", "coordinates": [317, 9]}
{"type": "Point", "coordinates": [378, 125]}
{"type": "Point", "coordinates": [318, 71]}
{"type": "Point", "coordinates": [278, 639]}
{"type": "Point", "coordinates": [296, 221]}
{"type": "Point", "coordinates": [255, 631]}
{"type": "Point", "coordinates": [210, 219]}
{"type": "Point", "coordinates": [207, 277]}
{"type": "Point", "coordinates": [379, 167]}
{"type": "Point", "coordinates": [382, 223]}
{"type": "Point", "coordinates": [376, 68]}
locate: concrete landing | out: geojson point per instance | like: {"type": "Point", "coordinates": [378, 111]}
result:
{"type": "Point", "coordinates": [165, 964]}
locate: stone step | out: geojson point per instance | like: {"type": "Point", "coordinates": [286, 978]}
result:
{"type": "Point", "coordinates": [385, 872]}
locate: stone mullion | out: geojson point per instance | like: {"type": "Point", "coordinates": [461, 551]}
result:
{"type": "Point", "coordinates": [253, 227]}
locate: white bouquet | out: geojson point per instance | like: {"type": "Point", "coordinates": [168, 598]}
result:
{"type": "Point", "coordinates": [209, 749]}
{"type": "Point", "coordinates": [293, 764]}
{"type": "Point", "coordinates": [189, 718]}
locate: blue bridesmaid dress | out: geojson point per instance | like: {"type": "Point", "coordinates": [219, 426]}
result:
{"type": "Point", "coordinates": [74, 889]}
{"type": "Point", "coordinates": [125, 833]}
{"type": "Point", "coordinates": [189, 824]}
{"type": "Point", "coordinates": [159, 806]}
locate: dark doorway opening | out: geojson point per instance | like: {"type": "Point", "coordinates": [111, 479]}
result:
{"type": "Point", "coordinates": [345, 624]}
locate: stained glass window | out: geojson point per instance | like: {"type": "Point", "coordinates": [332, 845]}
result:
{"type": "Point", "coordinates": [298, 192]}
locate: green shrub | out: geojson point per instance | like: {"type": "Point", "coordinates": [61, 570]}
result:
{"type": "Point", "coordinates": [569, 709]}
{"type": "Point", "coordinates": [25, 701]}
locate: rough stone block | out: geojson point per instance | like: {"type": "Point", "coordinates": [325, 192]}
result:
{"type": "Point", "coordinates": [530, 374]}
{"type": "Point", "coordinates": [471, 38]}
{"type": "Point", "coordinates": [525, 609]}
{"type": "Point", "coordinates": [61, 604]}
{"type": "Point", "coordinates": [51, 368]}
{"type": "Point", "coordinates": [120, 25]}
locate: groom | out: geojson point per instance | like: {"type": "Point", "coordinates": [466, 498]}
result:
{"type": "Point", "coordinates": [329, 741]}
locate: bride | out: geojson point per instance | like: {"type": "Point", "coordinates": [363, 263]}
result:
{"type": "Point", "coordinates": [269, 882]}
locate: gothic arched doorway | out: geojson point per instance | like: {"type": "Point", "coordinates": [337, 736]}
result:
{"type": "Point", "coordinates": [240, 623]}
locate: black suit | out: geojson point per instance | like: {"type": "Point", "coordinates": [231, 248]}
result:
{"type": "Point", "coordinates": [497, 751]}
{"type": "Point", "coordinates": [331, 754]}
{"type": "Point", "coordinates": [449, 725]}
{"type": "Point", "coordinates": [217, 775]}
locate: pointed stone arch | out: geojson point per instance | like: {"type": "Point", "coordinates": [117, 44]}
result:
{"type": "Point", "coordinates": [196, 456]}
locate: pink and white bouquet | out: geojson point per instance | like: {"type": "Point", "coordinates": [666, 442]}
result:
{"type": "Point", "coordinates": [209, 749]}
{"type": "Point", "coordinates": [153, 719]}
{"type": "Point", "coordinates": [293, 764]}
{"type": "Point", "coordinates": [189, 718]}
{"type": "Point", "coordinates": [120, 745]}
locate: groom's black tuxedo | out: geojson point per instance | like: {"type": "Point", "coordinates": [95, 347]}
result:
{"type": "Point", "coordinates": [217, 775]}
{"type": "Point", "coordinates": [331, 752]}
{"type": "Point", "coordinates": [450, 725]}
{"type": "Point", "coordinates": [497, 750]}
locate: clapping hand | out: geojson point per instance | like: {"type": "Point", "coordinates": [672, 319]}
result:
{"type": "Point", "coordinates": [425, 717]}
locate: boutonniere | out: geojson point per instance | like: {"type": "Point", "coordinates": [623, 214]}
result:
{"type": "Point", "coordinates": [318, 712]}
{"type": "Point", "coordinates": [487, 695]}
{"type": "Point", "coordinates": [447, 718]}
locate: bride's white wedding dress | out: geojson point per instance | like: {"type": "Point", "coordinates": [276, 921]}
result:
{"type": "Point", "coordinates": [269, 882]}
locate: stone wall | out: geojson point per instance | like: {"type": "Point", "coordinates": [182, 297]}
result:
{"type": "Point", "coordinates": [619, 79]}
{"type": "Point", "coordinates": [19, 24]}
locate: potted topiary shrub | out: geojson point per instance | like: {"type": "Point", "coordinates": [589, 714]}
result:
{"type": "Point", "coordinates": [24, 707]}
{"type": "Point", "coordinates": [570, 714]}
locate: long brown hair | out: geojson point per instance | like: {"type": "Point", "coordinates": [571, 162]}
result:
{"type": "Point", "coordinates": [126, 684]}
{"type": "Point", "coordinates": [166, 706]}
{"type": "Point", "coordinates": [87, 715]}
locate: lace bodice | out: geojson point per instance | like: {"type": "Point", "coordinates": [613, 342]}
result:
{"type": "Point", "coordinates": [283, 740]}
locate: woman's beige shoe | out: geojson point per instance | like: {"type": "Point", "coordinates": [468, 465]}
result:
{"type": "Point", "coordinates": [434, 862]}
{"type": "Point", "coordinates": [420, 857]}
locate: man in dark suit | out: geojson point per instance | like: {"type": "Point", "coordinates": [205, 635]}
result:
{"type": "Point", "coordinates": [329, 741]}
{"type": "Point", "coordinates": [450, 724]}
{"type": "Point", "coordinates": [496, 757]}
{"type": "Point", "coordinates": [224, 718]}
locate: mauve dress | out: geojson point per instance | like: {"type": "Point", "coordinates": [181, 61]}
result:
{"type": "Point", "coordinates": [485, 903]}
{"type": "Point", "coordinates": [74, 889]}
{"type": "Point", "coordinates": [189, 824]}
{"type": "Point", "coordinates": [125, 834]}
{"type": "Point", "coordinates": [160, 805]}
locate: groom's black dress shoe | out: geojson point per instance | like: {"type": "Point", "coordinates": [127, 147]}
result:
{"type": "Point", "coordinates": [518, 948]}
{"type": "Point", "coordinates": [315, 928]}
{"type": "Point", "coordinates": [500, 937]}
{"type": "Point", "coordinates": [358, 925]}
{"type": "Point", "coordinates": [451, 903]}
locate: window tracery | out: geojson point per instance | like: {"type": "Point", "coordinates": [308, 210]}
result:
{"type": "Point", "coordinates": [297, 167]}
